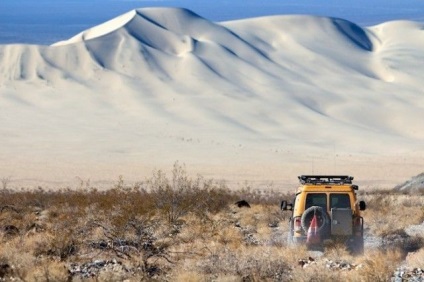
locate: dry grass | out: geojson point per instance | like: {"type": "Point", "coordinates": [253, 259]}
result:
{"type": "Point", "coordinates": [182, 228]}
{"type": "Point", "coordinates": [379, 265]}
{"type": "Point", "coordinates": [389, 211]}
{"type": "Point", "coordinates": [416, 259]}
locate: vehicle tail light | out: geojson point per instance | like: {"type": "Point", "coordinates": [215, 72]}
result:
{"type": "Point", "coordinates": [358, 226]}
{"type": "Point", "coordinates": [297, 224]}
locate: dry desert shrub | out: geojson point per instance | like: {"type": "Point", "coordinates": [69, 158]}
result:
{"type": "Point", "coordinates": [187, 229]}
{"type": "Point", "coordinates": [388, 211]}
{"type": "Point", "coordinates": [182, 195]}
{"type": "Point", "coordinates": [248, 263]}
{"type": "Point", "coordinates": [337, 251]}
{"type": "Point", "coordinates": [380, 265]}
{"type": "Point", "coordinates": [49, 271]}
{"type": "Point", "coordinates": [261, 224]}
{"type": "Point", "coordinates": [337, 265]}
{"type": "Point", "coordinates": [318, 273]}
{"type": "Point", "coordinates": [416, 259]}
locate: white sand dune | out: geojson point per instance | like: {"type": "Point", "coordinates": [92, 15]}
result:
{"type": "Point", "coordinates": [260, 100]}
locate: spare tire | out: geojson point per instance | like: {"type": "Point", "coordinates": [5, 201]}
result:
{"type": "Point", "coordinates": [308, 214]}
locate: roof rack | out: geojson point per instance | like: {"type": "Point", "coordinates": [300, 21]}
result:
{"type": "Point", "coordinates": [324, 179]}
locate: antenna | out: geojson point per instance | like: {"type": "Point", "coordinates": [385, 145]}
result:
{"type": "Point", "coordinates": [334, 157]}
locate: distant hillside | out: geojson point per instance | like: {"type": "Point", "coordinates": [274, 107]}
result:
{"type": "Point", "coordinates": [262, 98]}
{"type": "Point", "coordinates": [413, 185]}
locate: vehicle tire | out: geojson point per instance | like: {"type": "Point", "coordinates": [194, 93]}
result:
{"type": "Point", "coordinates": [290, 234]}
{"type": "Point", "coordinates": [356, 246]}
{"type": "Point", "coordinates": [323, 218]}
{"type": "Point", "coordinates": [289, 239]}
{"type": "Point", "coordinates": [294, 241]}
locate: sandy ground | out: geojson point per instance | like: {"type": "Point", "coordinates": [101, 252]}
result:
{"type": "Point", "coordinates": [370, 172]}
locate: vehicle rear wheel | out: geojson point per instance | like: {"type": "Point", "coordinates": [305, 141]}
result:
{"type": "Point", "coordinates": [356, 246]}
{"type": "Point", "coordinates": [289, 239]}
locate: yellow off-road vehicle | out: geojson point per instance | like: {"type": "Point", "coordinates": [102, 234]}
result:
{"type": "Point", "coordinates": [333, 201]}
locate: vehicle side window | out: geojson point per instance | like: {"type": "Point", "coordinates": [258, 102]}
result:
{"type": "Point", "coordinates": [316, 199]}
{"type": "Point", "coordinates": [341, 201]}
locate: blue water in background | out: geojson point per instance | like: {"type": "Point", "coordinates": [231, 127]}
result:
{"type": "Point", "coordinates": [47, 21]}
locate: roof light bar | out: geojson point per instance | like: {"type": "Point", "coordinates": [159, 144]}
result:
{"type": "Point", "coordinates": [319, 179]}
